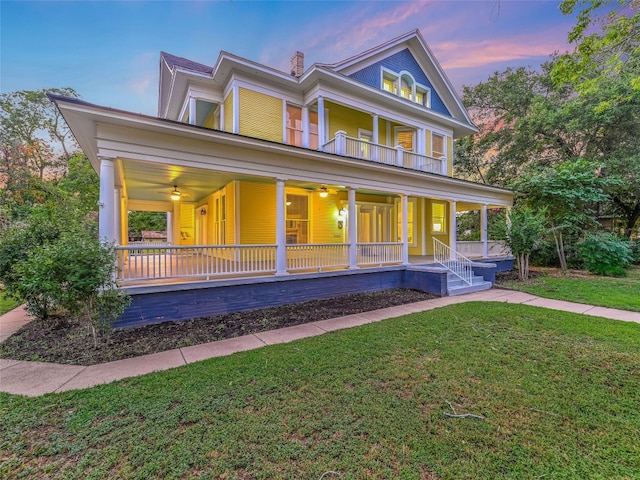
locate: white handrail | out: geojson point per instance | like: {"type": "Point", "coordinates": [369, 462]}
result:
{"type": "Point", "coordinates": [453, 261]}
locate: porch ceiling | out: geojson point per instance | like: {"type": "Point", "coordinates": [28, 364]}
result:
{"type": "Point", "coordinates": [153, 182]}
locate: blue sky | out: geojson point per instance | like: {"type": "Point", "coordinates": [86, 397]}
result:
{"type": "Point", "coordinates": [109, 51]}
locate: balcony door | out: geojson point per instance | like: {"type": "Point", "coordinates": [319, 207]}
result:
{"type": "Point", "coordinates": [405, 137]}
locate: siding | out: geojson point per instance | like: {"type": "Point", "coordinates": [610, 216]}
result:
{"type": "Point", "coordinates": [261, 115]}
{"type": "Point", "coordinates": [401, 61]}
{"type": "Point", "coordinates": [257, 213]}
{"type": "Point", "coordinates": [228, 112]}
{"type": "Point", "coordinates": [347, 119]}
{"type": "Point", "coordinates": [324, 220]}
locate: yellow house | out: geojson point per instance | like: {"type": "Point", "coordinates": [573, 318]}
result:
{"type": "Point", "coordinates": [262, 172]}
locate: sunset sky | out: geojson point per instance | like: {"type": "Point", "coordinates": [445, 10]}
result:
{"type": "Point", "coordinates": [109, 51]}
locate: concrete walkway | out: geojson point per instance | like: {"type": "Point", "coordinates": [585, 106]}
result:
{"type": "Point", "coordinates": [39, 378]}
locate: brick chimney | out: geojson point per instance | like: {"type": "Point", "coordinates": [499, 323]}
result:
{"type": "Point", "coordinates": [297, 64]}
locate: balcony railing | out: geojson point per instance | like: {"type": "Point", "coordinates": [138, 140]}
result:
{"type": "Point", "coordinates": [383, 253]}
{"type": "Point", "coordinates": [476, 249]}
{"type": "Point", "coordinates": [317, 256]}
{"type": "Point", "coordinates": [341, 144]}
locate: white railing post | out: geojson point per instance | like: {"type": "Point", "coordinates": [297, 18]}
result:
{"type": "Point", "coordinates": [341, 142]}
{"type": "Point", "coordinates": [399, 155]}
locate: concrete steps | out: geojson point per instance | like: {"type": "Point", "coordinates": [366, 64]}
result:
{"type": "Point", "coordinates": [456, 286]}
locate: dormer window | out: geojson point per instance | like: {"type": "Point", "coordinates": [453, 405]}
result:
{"type": "Point", "coordinates": [404, 85]}
{"type": "Point", "coordinates": [390, 83]}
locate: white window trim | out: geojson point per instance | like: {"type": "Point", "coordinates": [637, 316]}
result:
{"type": "Point", "coordinates": [398, 206]}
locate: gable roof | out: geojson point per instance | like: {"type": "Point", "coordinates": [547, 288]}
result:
{"type": "Point", "coordinates": [173, 61]}
{"type": "Point", "coordinates": [418, 47]}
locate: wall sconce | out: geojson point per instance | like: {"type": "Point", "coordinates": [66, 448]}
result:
{"type": "Point", "coordinates": [203, 211]}
{"type": "Point", "coordinates": [341, 215]}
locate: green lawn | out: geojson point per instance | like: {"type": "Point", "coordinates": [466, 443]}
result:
{"type": "Point", "coordinates": [6, 304]}
{"type": "Point", "coordinates": [558, 393]}
{"type": "Point", "coordinates": [623, 292]}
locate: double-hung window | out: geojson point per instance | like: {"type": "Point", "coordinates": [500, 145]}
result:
{"type": "Point", "coordinates": [294, 125]}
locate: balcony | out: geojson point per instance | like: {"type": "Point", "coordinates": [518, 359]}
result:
{"type": "Point", "coordinates": [346, 146]}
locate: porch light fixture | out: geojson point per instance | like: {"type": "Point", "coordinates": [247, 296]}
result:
{"type": "Point", "coordinates": [175, 194]}
{"type": "Point", "coordinates": [341, 214]}
{"type": "Point", "coordinates": [323, 191]}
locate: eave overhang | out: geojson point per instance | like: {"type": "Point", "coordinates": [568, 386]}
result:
{"type": "Point", "coordinates": [107, 132]}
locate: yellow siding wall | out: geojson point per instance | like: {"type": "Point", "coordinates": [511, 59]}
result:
{"type": "Point", "coordinates": [418, 221]}
{"type": "Point", "coordinates": [427, 142]}
{"type": "Point", "coordinates": [443, 237]}
{"type": "Point", "coordinates": [382, 132]}
{"type": "Point", "coordinates": [450, 156]}
{"type": "Point", "coordinates": [209, 120]}
{"type": "Point", "coordinates": [257, 213]}
{"type": "Point", "coordinates": [232, 200]}
{"type": "Point", "coordinates": [261, 115]}
{"type": "Point", "coordinates": [324, 220]}
{"type": "Point", "coordinates": [187, 224]}
{"type": "Point", "coordinates": [228, 112]}
{"type": "Point", "coordinates": [347, 119]}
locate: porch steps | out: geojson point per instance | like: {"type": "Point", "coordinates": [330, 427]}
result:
{"type": "Point", "coordinates": [456, 286]}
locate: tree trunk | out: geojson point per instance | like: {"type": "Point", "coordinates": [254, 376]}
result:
{"type": "Point", "coordinates": [557, 237]}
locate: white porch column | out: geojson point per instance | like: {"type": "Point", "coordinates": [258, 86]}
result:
{"type": "Point", "coordinates": [321, 133]}
{"type": "Point", "coordinates": [420, 143]}
{"type": "Point", "coordinates": [352, 233]}
{"type": "Point", "coordinates": [374, 129]}
{"type": "Point", "coordinates": [453, 230]}
{"type": "Point", "coordinates": [117, 217]}
{"type": "Point", "coordinates": [192, 110]}
{"type": "Point", "coordinates": [236, 109]}
{"type": "Point", "coordinates": [305, 127]}
{"type": "Point", "coordinates": [405, 228]}
{"type": "Point", "coordinates": [106, 205]}
{"type": "Point", "coordinates": [281, 232]}
{"type": "Point", "coordinates": [169, 228]}
{"type": "Point", "coordinates": [176, 222]}
{"type": "Point", "coordinates": [484, 232]}
{"type": "Point", "coordinates": [222, 116]}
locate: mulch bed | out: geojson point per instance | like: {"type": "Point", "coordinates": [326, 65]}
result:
{"type": "Point", "coordinates": [69, 343]}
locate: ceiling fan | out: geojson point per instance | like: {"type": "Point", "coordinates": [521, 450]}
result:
{"type": "Point", "coordinates": [176, 194]}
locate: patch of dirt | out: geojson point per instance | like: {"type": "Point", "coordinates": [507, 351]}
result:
{"type": "Point", "coordinates": [62, 341]}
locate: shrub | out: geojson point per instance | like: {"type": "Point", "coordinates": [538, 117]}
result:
{"type": "Point", "coordinates": [58, 266]}
{"type": "Point", "coordinates": [604, 254]}
{"type": "Point", "coordinates": [634, 245]}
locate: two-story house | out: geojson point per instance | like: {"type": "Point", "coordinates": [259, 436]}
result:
{"type": "Point", "coordinates": [265, 173]}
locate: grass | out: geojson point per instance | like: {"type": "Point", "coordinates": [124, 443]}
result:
{"type": "Point", "coordinates": [6, 304]}
{"type": "Point", "coordinates": [558, 392]}
{"type": "Point", "coordinates": [613, 292]}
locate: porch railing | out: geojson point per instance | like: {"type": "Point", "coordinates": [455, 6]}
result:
{"type": "Point", "coordinates": [474, 249]}
{"type": "Point", "coordinates": [453, 261]}
{"type": "Point", "coordinates": [151, 262]}
{"type": "Point", "coordinates": [317, 256]}
{"type": "Point", "coordinates": [382, 253]}
{"type": "Point", "coordinates": [356, 148]}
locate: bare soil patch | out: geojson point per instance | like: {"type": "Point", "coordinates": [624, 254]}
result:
{"type": "Point", "coordinates": [63, 341]}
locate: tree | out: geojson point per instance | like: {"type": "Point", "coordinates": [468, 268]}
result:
{"type": "Point", "coordinates": [609, 51]}
{"type": "Point", "coordinates": [528, 121]}
{"type": "Point", "coordinates": [521, 231]}
{"type": "Point", "coordinates": [35, 144]}
{"type": "Point", "coordinates": [568, 194]}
